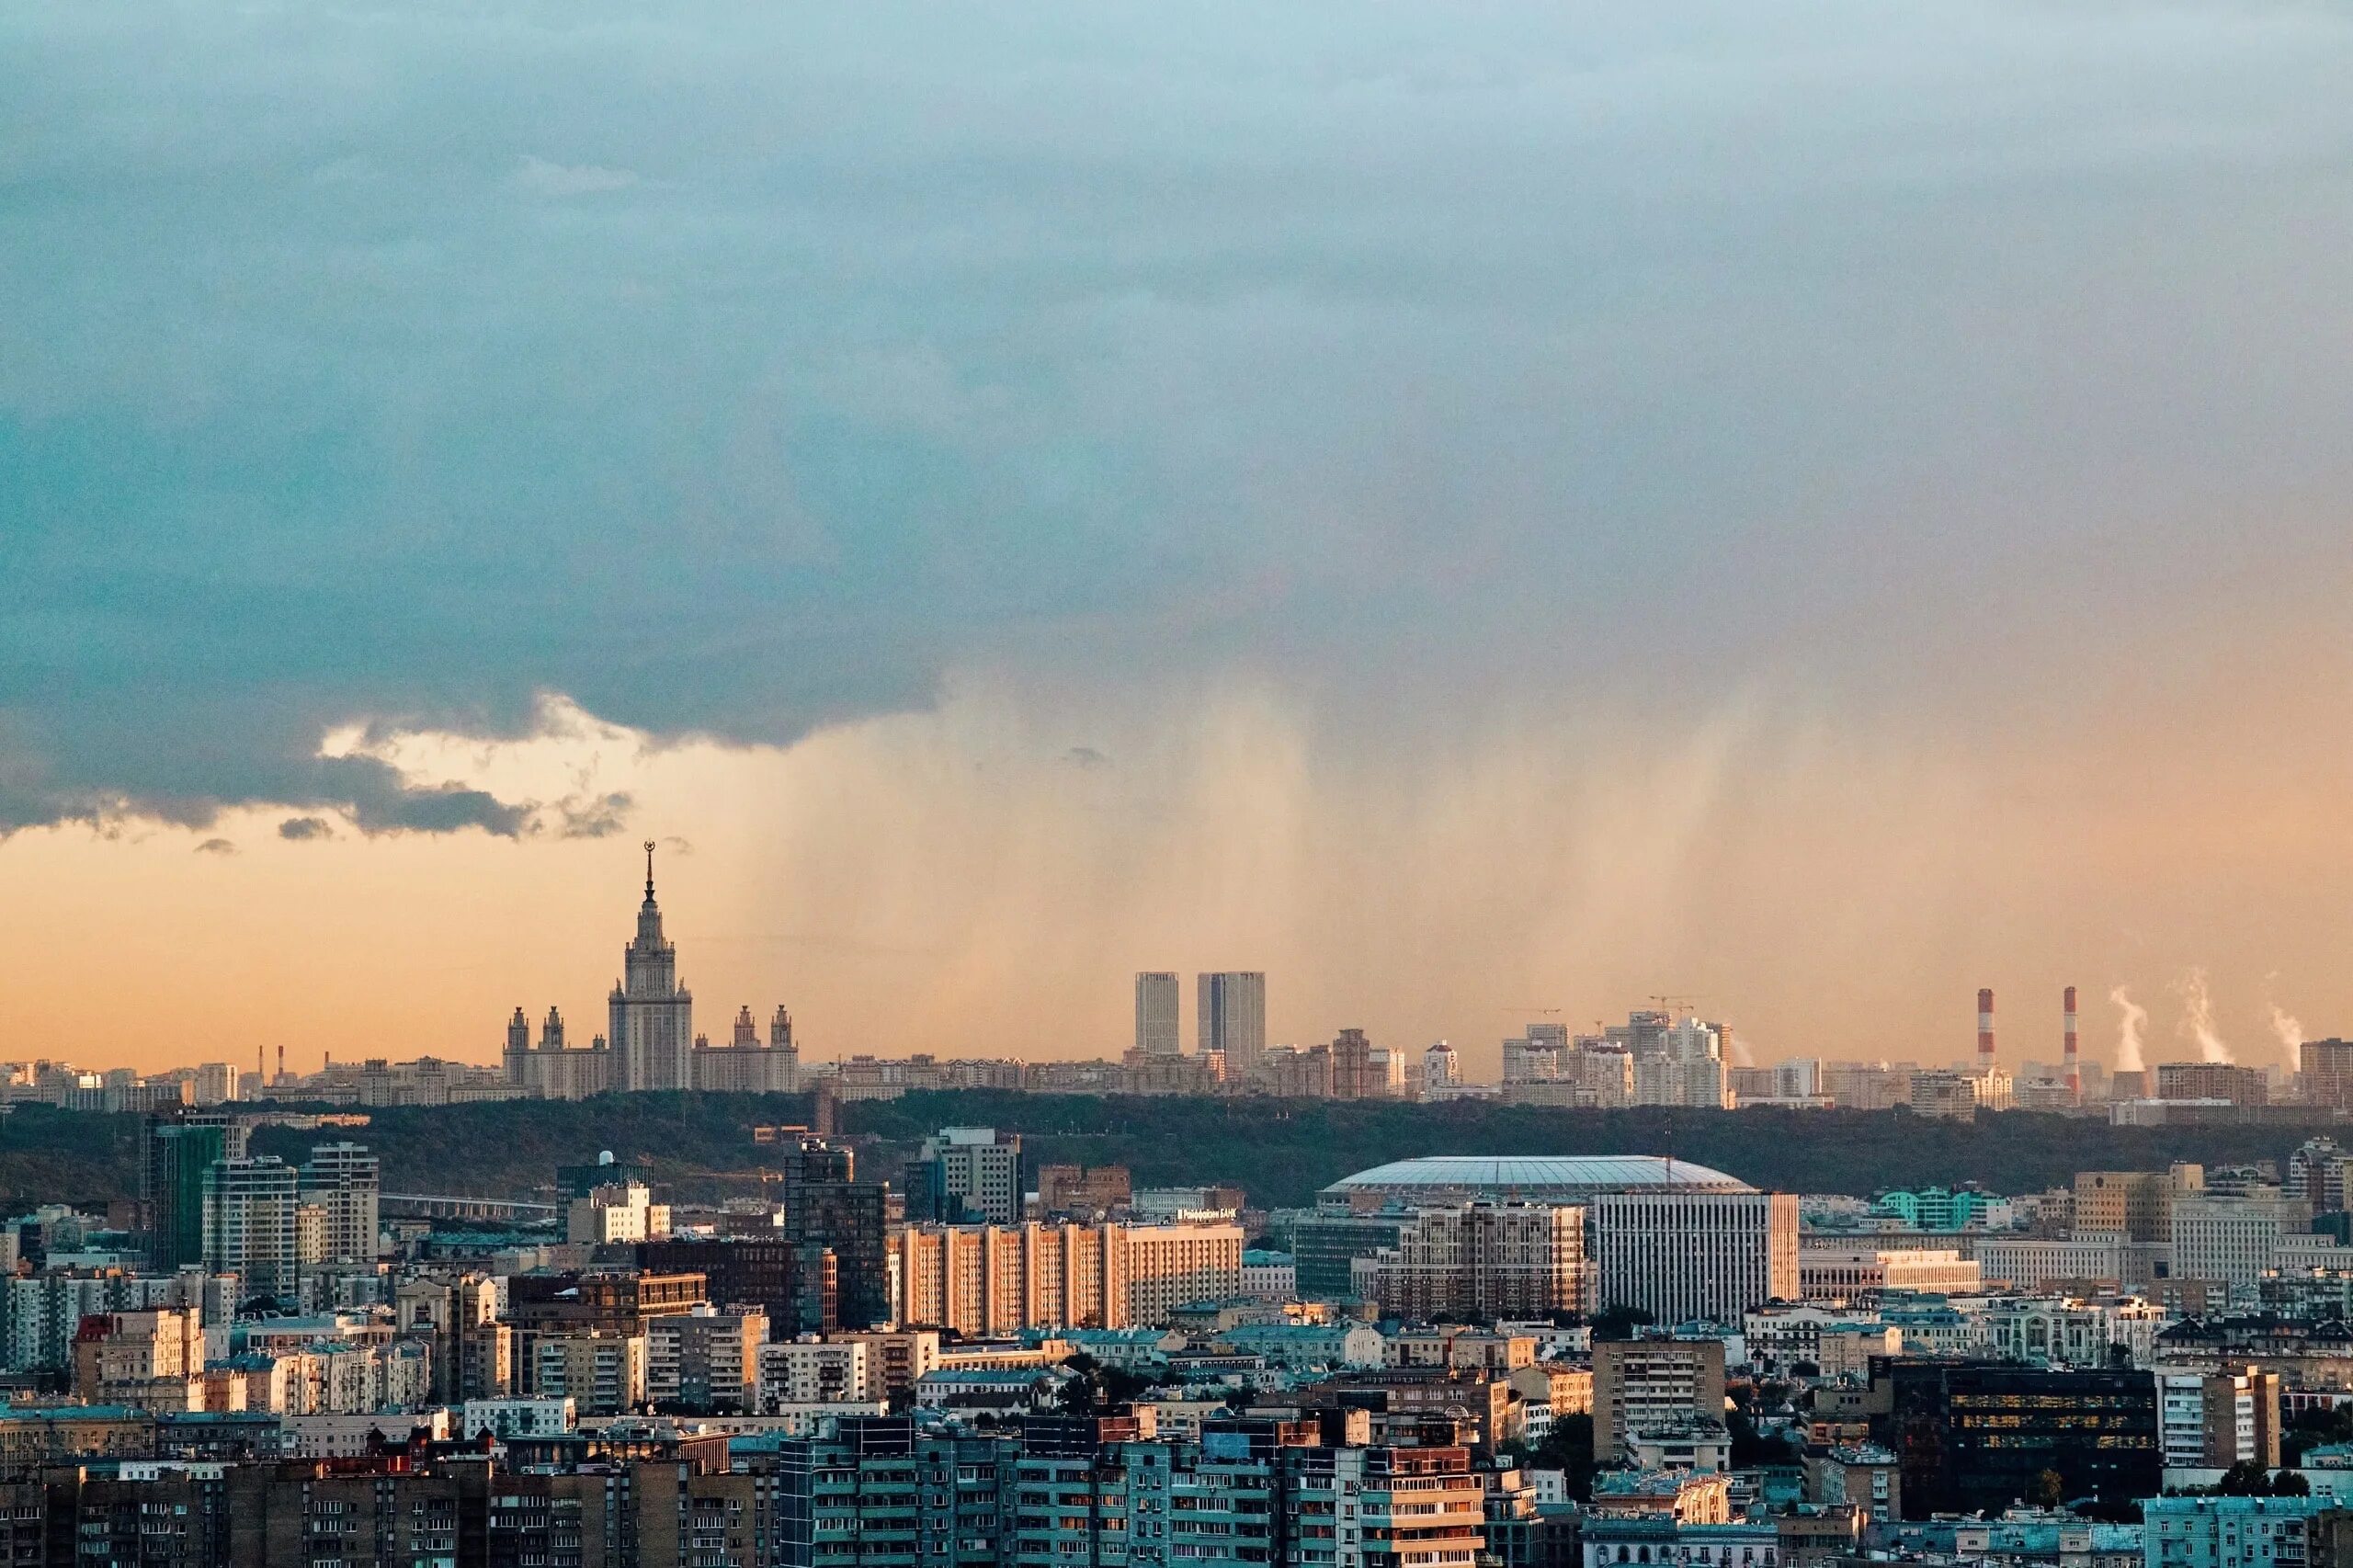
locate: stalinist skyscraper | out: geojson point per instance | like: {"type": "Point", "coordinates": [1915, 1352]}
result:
{"type": "Point", "coordinates": [653, 1030]}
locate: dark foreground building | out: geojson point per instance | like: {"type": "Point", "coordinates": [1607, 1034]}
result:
{"type": "Point", "coordinates": [1980, 1435]}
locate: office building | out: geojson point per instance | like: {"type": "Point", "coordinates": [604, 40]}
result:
{"type": "Point", "coordinates": [1653, 1385]}
{"type": "Point", "coordinates": [2137, 1205]}
{"type": "Point", "coordinates": [1482, 1262]}
{"type": "Point", "coordinates": [180, 1146]}
{"type": "Point", "coordinates": [1695, 1254]}
{"type": "Point", "coordinates": [603, 1300]}
{"type": "Point", "coordinates": [2227, 1236]}
{"type": "Point", "coordinates": [796, 1288]}
{"type": "Point", "coordinates": [1326, 1245]}
{"type": "Point", "coordinates": [249, 1223]}
{"type": "Point", "coordinates": [1844, 1273]}
{"type": "Point", "coordinates": [1230, 1012]}
{"type": "Point", "coordinates": [829, 1213]}
{"type": "Point", "coordinates": [1978, 1436]}
{"type": "Point", "coordinates": [1864, 1476]}
{"type": "Point", "coordinates": [1156, 1020]}
{"type": "Point", "coordinates": [967, 1176]}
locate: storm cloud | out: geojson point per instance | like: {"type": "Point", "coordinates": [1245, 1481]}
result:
{"type": "Point", "coordinates": [746, 367]}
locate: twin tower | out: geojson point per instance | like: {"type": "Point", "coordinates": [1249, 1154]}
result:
{"type": "Point", "coordinates": [650, 1044]}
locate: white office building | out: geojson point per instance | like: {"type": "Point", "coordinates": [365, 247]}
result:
{"type": "Point", "coordinates": [1686, 1255]}
{"type": "Point", "coordinates": [1156, 1020]}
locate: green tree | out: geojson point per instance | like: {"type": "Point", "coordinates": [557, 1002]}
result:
{"type": "Point", "coordinates": [2244, 1479]}
{"type": "Point", "coordinates": [1617, 1323]}
{"type": "Point", "coordinates": [2049, 1489]}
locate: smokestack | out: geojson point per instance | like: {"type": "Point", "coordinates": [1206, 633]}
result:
{"type": "Point", "coordinates": [281, 1064]}
{"type": "Point", "coordinates": [1985, 1031]}
{"type": "Point", "coordinates": [2074, 1063]}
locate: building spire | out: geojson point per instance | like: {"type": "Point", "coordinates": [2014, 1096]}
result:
{"type": "Point", "coordinates": [649, 870]}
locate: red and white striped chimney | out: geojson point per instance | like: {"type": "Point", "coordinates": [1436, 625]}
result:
{"type": "Point", "coordinates": [1985, 1031]}
{"type": "Point", "coordinates": [2074, 1063]}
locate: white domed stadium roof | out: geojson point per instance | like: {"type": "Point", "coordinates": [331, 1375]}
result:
{"type": "Point", "coordinates": [1536, 1177]}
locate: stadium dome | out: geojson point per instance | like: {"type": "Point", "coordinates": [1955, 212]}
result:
{"type": "Point", "coordinates": [1542, 1178]}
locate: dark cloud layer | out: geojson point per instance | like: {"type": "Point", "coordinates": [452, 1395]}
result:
{"type": "Point", "coordinates": [746, 367]}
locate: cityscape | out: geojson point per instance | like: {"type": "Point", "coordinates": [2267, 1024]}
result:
{"type": "Point", "coordinates": [871, 1338]}
{"type": "Point", "coordinates": [1273, 785]}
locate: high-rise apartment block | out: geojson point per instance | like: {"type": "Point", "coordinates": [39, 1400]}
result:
{"type": "Point", "coordinates": [2328, 1072]}
{"type": "Point", "coordinates": [249, 1222]}
{"type": "Point", "coordinates": [1651, 1384]}
{"type": "Point", "coordinates": [343, 1180]}
{"type": "Point", "coordinates": [706, 1362]}
{"type": "Point", "coordinates": [2214, 1420]}
{"type": "Point", "coordinates": [1157, 1030]}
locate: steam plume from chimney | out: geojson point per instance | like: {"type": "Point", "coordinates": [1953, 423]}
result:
{"type": "Point", "coordinates": [2198, 1016]}
{"type": "Point", "coordinates": [2133, 1018]}
{"type": "Point", "coordinates": [2291, 1037]}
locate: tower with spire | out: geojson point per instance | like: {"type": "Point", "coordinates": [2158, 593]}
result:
{"type": "Point", "coordinates": [652, 1016]}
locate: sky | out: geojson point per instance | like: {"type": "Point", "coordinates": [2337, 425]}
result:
{"type": "Point", "coordinates": [1484, 512]}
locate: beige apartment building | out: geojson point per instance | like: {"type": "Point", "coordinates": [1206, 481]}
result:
{"type": "Point", "coordinates": [1647, 1384]}
{"type": "Point", "coordinates": [988, 1280]}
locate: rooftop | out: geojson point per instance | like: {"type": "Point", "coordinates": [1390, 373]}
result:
{"type": "Point", "coordinates": [1536, 1176]}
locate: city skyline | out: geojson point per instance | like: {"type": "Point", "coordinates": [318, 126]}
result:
{"type": "Point", "coordinates": [1488, 515]}
{"type": "Point", "coordinates": [652, 1000]}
